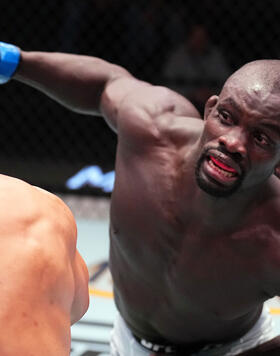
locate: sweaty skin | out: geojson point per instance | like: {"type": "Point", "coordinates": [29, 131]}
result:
{"type": "Point", "coordinates": [195, 247]}
{"type": "Point", "coordinates": [43, 278]}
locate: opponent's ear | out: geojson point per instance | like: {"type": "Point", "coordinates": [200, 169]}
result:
{"type": "Point", "coordinates": [210, 104]}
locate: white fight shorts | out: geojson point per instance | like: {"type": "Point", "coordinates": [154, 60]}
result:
{"type": "Point", "coordinates": [123, 343]}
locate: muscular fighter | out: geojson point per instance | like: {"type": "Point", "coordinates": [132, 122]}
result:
{"type": "Point", "coordinates": [195, 222]}
{"type": "Point", "coordinates": [43, 278]}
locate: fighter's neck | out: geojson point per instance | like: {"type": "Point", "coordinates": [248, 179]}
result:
{"type": "Point", "coordinates": [227, 211]}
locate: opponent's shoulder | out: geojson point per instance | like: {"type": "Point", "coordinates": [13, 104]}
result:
{"type": "Point", "coordinates": [26, 210]}
{"type": "Point", "coordinates": [39, 263]}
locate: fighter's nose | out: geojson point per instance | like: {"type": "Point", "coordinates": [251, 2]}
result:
{"type": "Point", "coordinates": [235, 144]}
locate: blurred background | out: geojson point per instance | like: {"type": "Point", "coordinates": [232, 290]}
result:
{"type": "Point", "coordinates": [189, 46]}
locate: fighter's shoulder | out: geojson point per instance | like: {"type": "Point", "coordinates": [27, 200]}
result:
{"type": "Point", "coordinates": [131, 101]}
{"type": "Point", "coordinates": [29, 209]}
{"type": "Point", "coordinates": [155, 101]}
{"type": "Point", "coordinates": [182, 122]}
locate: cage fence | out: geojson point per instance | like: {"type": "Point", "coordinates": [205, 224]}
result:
{"type": "Point", "coordinates": [189, 46]}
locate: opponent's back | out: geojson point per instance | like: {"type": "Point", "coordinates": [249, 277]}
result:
{"type": "Point", "coordinates": [41, 272]}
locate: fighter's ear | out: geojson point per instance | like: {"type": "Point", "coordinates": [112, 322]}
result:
{"type": "Point", "coordinates": [277, 170]}
{"type": "Point", "coordinates": [210, 104]}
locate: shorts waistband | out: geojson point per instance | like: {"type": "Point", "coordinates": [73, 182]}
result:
{"type": "Point", "coordinates": [171, 349]}
{"type": "Point", "coordinates": [167, 349]}
{"type": "Point", "coordinates": [261, 332]}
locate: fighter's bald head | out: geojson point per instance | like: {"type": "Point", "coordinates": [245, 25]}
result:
{"type": "Point", "coordinates": [259, 76]}
{"type": "Point", "coordinates": [254, 88]}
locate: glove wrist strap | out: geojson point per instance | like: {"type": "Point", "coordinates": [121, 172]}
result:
{"type": "Point", "coordinates": [9, 60]}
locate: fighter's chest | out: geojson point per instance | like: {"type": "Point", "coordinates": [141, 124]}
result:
{"type": "Point", "coordinates": [216, 270]}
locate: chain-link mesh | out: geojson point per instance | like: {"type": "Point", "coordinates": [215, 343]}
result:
{"type": "Point", "coordinates": [44, 143]}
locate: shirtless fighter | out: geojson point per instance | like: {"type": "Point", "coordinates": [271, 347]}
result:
{"type": "Point", "coordinates": [43, 278]}
{"type": "Point", "coordinates": [44, 281]}
{"type": "Point", "coordinates": [195, 218]}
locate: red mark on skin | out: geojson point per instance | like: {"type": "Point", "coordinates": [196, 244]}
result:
{"type": "Point", "coordinates": [223, 166]}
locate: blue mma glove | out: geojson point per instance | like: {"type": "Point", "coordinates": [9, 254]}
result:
{"type": "Point", "coordinates": [9, 60]}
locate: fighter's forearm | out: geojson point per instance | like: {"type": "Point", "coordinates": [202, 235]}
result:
{"type": "Point", "coordinates": [74, 81]}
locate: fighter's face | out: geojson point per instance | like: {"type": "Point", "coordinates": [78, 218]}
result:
{"type": "Point", "coordinates": [240, 142]}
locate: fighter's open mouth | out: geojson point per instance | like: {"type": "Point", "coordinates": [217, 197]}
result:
{"type": "Point", "coordinates": [222, 168]}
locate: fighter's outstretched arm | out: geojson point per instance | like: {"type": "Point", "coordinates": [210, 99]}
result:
{"type": "Point", "coordinates": [90, 85]}
{"type": "Point", "coordinates": [75, 81]}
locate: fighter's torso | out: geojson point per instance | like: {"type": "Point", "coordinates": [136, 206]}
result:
{"type": "Point", "coordinates": [175, 278]}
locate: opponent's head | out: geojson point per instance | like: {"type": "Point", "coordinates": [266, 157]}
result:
{"type": "Point", "coordinates": [241, 140]}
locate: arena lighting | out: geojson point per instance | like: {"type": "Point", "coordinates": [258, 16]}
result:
{"type": "Point", "coordinates": [92, 176]}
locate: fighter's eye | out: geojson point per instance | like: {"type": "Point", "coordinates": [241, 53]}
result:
{"type": "Point", "coordinates": [261, 139]}
{"type": "Point", "coordinates": [225, 117]}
